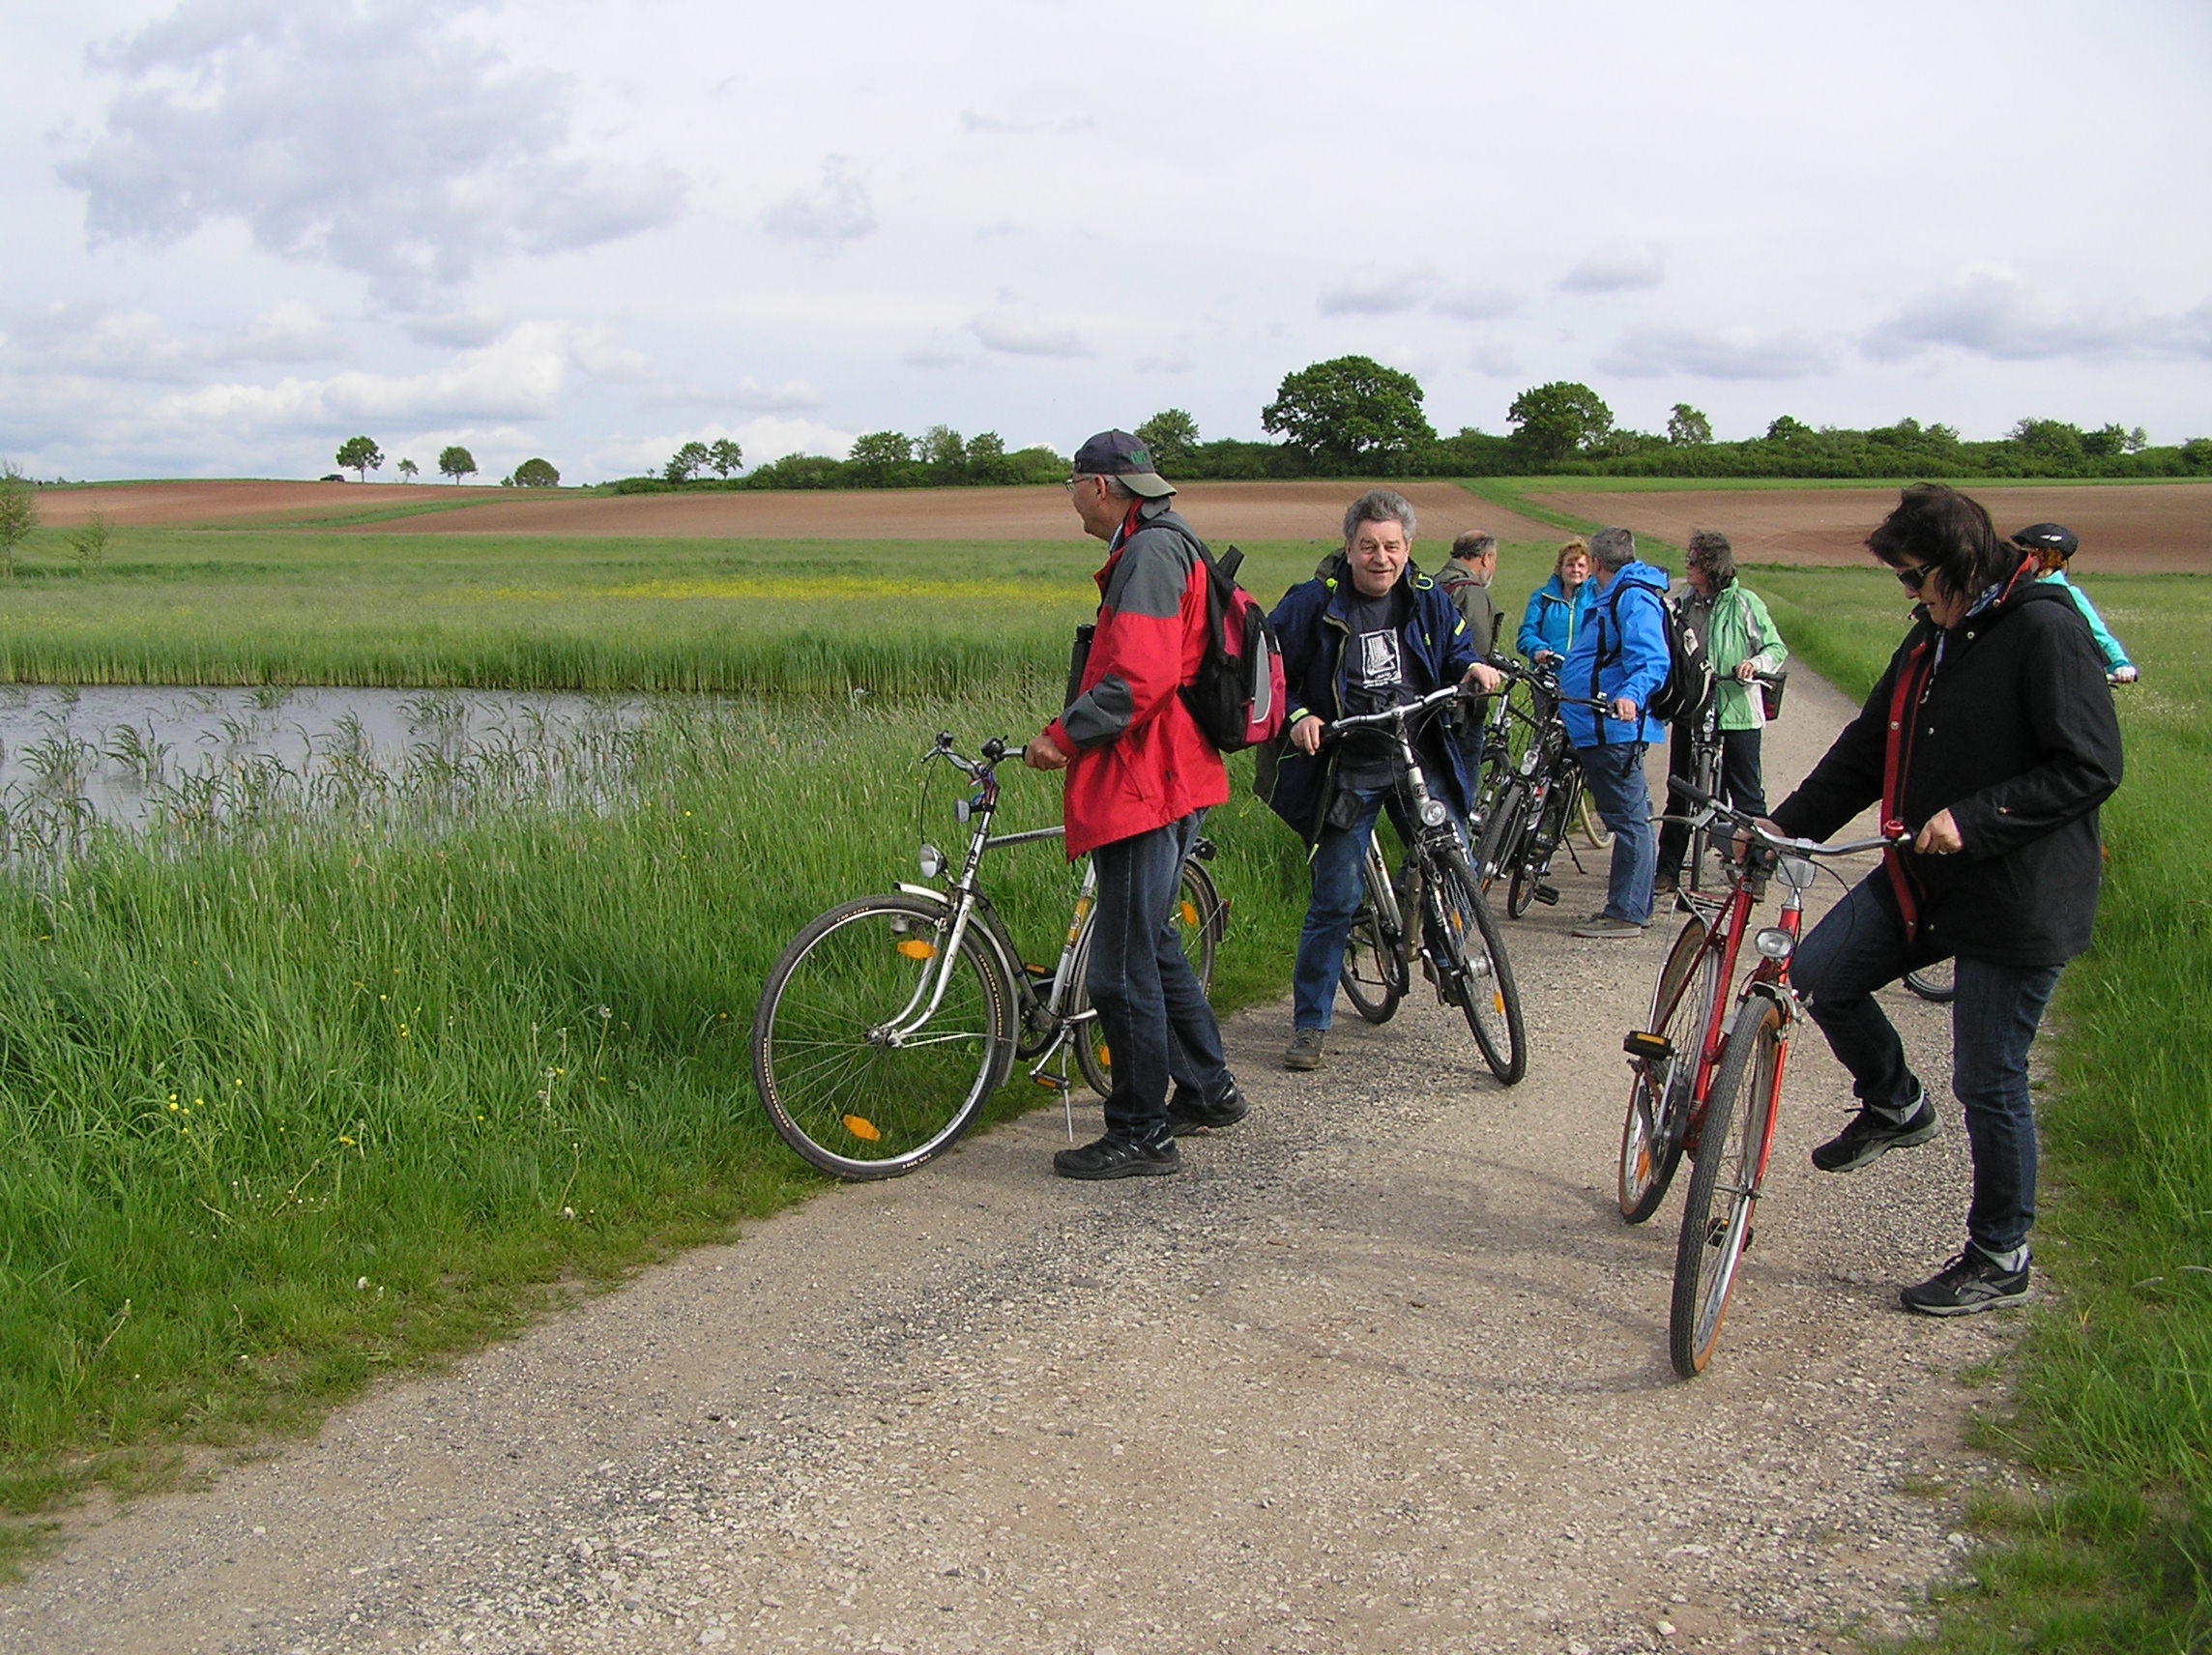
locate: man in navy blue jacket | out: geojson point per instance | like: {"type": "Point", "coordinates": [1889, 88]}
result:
{"type": "Point", "coordinates": [1370, 632]}
{"type": "Point", "coordinates": [1620, 657]}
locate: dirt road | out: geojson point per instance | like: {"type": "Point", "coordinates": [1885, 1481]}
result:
{"type": "Point", "coordinates": [1383, 1371]}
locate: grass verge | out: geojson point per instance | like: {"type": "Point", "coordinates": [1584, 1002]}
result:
{"type": "Point", "coordinates": [2111, 1395]}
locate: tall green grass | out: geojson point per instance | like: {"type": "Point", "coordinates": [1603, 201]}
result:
{"type": "Point", "coordinates": [291, 1101]}
{"type": "Point", "coordinates": [2111, 1394]}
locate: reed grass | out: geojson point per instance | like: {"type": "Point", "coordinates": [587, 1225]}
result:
{"type": "Point", "coordinates": [2111, 1399]}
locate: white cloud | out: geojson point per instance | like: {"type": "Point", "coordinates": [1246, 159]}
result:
{"type": "Point", "coordinates": [1477, 303]}
{"type": "Point", "coordinates": [1718, 353]}
{"type": "Point", "coordinates": [979, 125]}
{"type": "Point", "coordinates": [1495, 361]}
{"type": "Point", "coordinates": [1370, 293]}
{"type": "Point", "coordinates": [286, 333]}
{"type": "Point", "coordinates": [1993, 314]}
{"type": "Point", "coordinates": [462, 329]}
{"type": "Point", "coordinates": [377, 136]}
{"type": "Point", "coordinates": [836, 211]}
{"type": "Point", "coordinates": [1620, 268]}
{"type": "Point", "coordinates": [1019, 330]}
{"type": "Point", "coordinates": [78, 336]}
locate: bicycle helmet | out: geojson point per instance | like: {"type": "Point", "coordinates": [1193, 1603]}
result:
{"type": "Point", "coordinates": [2047, 538]}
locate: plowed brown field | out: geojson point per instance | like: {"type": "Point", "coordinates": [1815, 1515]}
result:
{"type": "Point", "coordinates": [1221, 511]}
{"type": "Point", "coordinates": [2161, 528]}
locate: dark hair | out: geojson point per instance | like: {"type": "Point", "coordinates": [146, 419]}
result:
{"type": "Point", "coordinates": [1473, 545]}
{"type": "Point", "coordinates": [1709, 547]}
{"type": "Point", "coordinates": [1940, 530]}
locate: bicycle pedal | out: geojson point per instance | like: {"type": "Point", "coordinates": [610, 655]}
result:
{"type": "Point", "coordinates": [1649, 1047]}
{"type": "Point", "coordinates": [1548, 895]}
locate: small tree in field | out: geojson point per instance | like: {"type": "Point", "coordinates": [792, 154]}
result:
{"type": "Point", "coordinates": [725, 456]}
{"type": "Point", "coordinates": [537, 474]}
{"type": "Point", "coordinates": [409, 470]}
{"type": "Point", "coordinates": [361, 454]}
{"type": "Point", "coordinates": [1171, 436]}
{"type": "Point", "coordinates": [88, 540]}
{"type": "Point", "coordinates": [1686, 427]}
{"type": "Point", "coordinates": [18, 515]}
{"type": "Point", "coordinates": [686, 463]}
{"type": "Point", "coordinates": [456, 462]}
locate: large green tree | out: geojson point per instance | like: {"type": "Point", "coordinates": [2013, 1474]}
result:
{"type": "Point", "coordinates": [361, 454]}
{"type": "Point", "coordinates": [456, 462]}
{"type": "Point", "coordinates": [1350, 413]}
{"type": "Point", "coordinates": [537, 474]}
{"type": "Point", "coordinates": [725, 456]}
{"type": "Point", "coordinates": [1687, 428]}
{"type": "Point", "coordinates": [876, 454]}
{"type": "Point", "coordinates": [1171, 436]}
{"type": "Point", "coordinates": [1556, 421]}
{"type": "Point", "coordinates": [686, 462]}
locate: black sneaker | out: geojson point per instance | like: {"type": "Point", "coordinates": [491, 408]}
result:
{"type": "Point", "coordinates": [1189, 1114]}
{"type": "Point", "coordinates": [1971, 1282]}
{"type": "Point", "coordinates": [1869, 1135]}
{"type": "Point", "coordinates": [1118, 1158]}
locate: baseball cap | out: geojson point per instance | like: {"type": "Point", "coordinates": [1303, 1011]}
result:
{"type": "Point", "coordinates": [1117, 454]}
{"type": "Point", "coordinates": [2047, 538]}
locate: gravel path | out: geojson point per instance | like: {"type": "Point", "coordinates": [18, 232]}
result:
{"type": "Point", "coordinates": [1383, 1371]}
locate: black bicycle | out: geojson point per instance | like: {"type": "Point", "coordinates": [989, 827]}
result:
{"type": "Point", "coordinates": [1539, 802]}
{"type": "Point", "coordinates": [1460, 945]}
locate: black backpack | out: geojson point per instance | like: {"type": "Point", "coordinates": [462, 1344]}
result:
{"type": "Point", "coordinates": [1688, 687]}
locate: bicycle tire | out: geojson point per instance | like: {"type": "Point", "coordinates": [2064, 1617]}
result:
{"type": "Point", "coordinates": [1199, 918]}
{"type": "Point", "coordinates": [1478, 975]}
{"type": "Point", "coordinates": [1589, 823]}
{"type": "Point", "coordinates": [846, 1102]}
{"type": "Point", "coordinates": [1501, 834]}
{"type": "Point", "coordinates": [1375, 972]}
{"type": "Point", "coordinates": [1520, 890]}
{"type": "Point", "coordinates": [1730, 1165]}
{"type": "Point", "coordinates": [1652, 1134]}
{"type": "Point", "coordinates": [1937, 983]}
{"type": "Point", "coordinates": [1543, 838]}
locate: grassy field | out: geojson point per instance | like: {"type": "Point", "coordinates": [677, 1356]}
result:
{"type": "Point", "coordinates": [2110, 1393]}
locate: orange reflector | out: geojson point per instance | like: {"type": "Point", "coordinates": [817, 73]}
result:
{"type": "Point", "coordinates": [860, 1128]}
{"type": "Point", "coordinates": [1497, 1002]}
{"type": "Point", "coordinates": [1102, 1052]}
{"type": "Point", "coordinates": [1189, 912]}
{"type": "Point", "coordinates": [914, 948]}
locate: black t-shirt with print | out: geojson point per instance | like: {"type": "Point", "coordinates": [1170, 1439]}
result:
{"type": "Point", "coordinates": [1374, 678]}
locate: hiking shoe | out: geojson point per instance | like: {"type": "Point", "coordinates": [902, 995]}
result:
{"type": "Point", "coordinates": [1193, 1114]}
{"type": "Point", "coordinates": [1869, 1135]}
{"type": "Point", "coordinates": [1304, 1050]}
{"type": "Point", "coordinates": [1606, 926]}
{"type": "Point", "coordinates": [1970, 1282]}
{"type": "Point", "coordinates": [1111, 1157]}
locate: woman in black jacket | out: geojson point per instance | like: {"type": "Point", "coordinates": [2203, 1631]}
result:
{"type": "Point", "coordinates": [1992, 735]}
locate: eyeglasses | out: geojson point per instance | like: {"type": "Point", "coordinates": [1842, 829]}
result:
{"type": "Point", "coordinates": [1070, 482]}
{"type": "Point", "coordinates": [1913, 577]}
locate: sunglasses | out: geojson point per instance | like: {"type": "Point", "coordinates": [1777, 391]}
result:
{"type": "Point", "coordinates": [1911, 578]}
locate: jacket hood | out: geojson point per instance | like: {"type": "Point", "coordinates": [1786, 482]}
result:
{"type": "Point", "coordinates": [1635, 573]}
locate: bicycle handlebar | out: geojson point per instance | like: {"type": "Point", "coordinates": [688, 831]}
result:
{"type": "Point", "coordinates": [1547, 679]}
{"type": "Point", "coordinates": [1392, 714]}
{"type": "Point", "coordinates": [1891, 833]}
{"type": "Point", "coordinates": [994, 750]}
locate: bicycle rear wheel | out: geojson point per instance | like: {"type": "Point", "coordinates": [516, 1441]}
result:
{"type": "Point", "coordinates": [1723, 1189]}
{"type": "Point", "coordinates": [1501, 834]}
{"type": "Point", "coordinates": [836, 1086]}
{"type": "Point", "coordinates": [1477, 975]}
{"type": "Point", "coordinates": [1937, 983]}
{"type": "Point", "coordinates": [1660, 1089]}
{"type": "Point", "coordinates": [1199, 919]}
{"type": "Point", "coordinates": [1376, 970]}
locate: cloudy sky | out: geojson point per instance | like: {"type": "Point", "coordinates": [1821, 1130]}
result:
{"type": "Point", "coordinates": [241, 230]}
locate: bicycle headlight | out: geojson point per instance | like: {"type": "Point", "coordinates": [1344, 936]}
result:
{"type": "Point", "coordinates": [932, 861]}
{"type": "Point", "coordinates": [1434, 813]}
{"type": "Point", "coordinates": [1775, 943]}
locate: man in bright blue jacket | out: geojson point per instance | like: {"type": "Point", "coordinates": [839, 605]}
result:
{"type": "Point", "coordinates": [1620, 658]}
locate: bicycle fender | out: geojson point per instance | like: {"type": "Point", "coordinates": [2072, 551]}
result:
{"type": "Point", "coordinates": [977, 926]}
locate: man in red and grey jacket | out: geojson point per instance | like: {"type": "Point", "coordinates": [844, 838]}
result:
{"type": "Point", "coordinates": [1140, 776]}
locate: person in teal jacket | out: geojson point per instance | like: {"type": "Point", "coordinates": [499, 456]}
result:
{"type": "Point", "coordinates": [1557, 609]}
{"type": "Point", "coordinates": [2052, 546]}
{"type": "Point", "coordinates": [1740, 639]}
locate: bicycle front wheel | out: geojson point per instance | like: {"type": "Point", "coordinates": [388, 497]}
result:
{"type": "Point", "coordinates": [1591, 824]}
{"type": "Point", "coordinates": [1199, 919]}
{"type": "Point", "coordinates": [1724, 1190]}
{"type": "Point", "coordinates": [1937, 983]}
{"type": "Point", "coordinates": [1375, 971]}
{"type": "Point", "coordinates": [1661, 1090]}
{"type": "Point", "coordinates": [1478, 976]}
{"type": "Point", "coordinates": [858, 1072]}
{"type": "Point", "coordinates": [1501, 843]}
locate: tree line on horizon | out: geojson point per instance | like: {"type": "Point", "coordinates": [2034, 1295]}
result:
{"type": "Point", "coordinates": [1351, 415]}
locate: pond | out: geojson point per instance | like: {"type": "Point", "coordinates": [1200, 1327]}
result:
{"type": "Point", "coordinates": [125, 756]}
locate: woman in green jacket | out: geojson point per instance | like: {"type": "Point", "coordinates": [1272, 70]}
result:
{"type": "Point", "coordinates": [1740, 639]}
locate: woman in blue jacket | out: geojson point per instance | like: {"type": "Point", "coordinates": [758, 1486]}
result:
{"type": "Point", "coordinates": [1557, 609]}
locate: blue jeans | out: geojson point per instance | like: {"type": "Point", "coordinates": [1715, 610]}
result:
{"type": "Point", "coordinates": [1615, 778]}
{"type": "Point", "coordinates": [1337, 895]}
{"type": "Point", "coordinates": [1151, 1007]}
{"type": "Point", "coordinates": [1860, 948]}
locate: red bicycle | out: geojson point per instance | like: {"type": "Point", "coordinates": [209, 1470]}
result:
{"type": "Point", "coordinates": [1705, 1074]}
